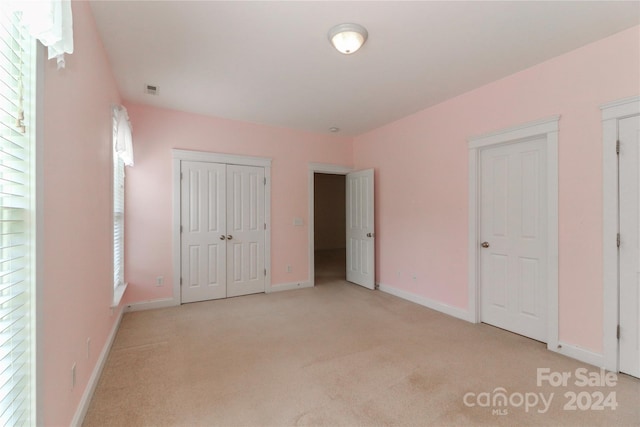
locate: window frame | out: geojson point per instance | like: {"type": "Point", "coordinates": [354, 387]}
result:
{"type": "Point", "coordinates": [33, 218]}
{"type": "Point", "coordinates": [118, 216]}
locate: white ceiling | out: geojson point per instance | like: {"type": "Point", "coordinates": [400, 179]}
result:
{"type": "Point", "coordinates": [271, 62]}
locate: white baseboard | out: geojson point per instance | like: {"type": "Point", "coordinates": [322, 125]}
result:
{"type": "Point", "coordinates": [152, 304]}
{"type": "Point", "coordinates": [172, 302]}
{"type": "Point", "coordinates": [581, 354]}
{"type": "Point", "coordinates": [429, 303]}
{"type": "Point", "coordinates": [83, 406]}
{"type": "Point", "coordinates": [288, 286]}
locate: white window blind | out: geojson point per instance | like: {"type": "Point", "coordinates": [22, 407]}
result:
{"type": "Point", "coordinates": [118, 213]}
{"type": "Point", "coordinates": [17, 77]}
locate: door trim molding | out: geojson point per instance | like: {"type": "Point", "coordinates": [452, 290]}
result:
{"type": "Point", "coordinates": [313, 169]}
{"type": "Point", "coordinates": [178, 156]}
{"type": "Point", "coordinates": [229, 159]}
{"type": "Point", "coordinates": [612, 112]}
{"type": "Point", "coordinates": [547, 128]}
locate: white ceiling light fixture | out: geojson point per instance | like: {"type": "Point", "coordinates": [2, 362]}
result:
{"type": "Point", "coordinates": [348, 38]}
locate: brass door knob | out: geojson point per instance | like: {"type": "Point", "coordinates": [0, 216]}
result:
{"type": "Point", "coordinates": [485, 244]}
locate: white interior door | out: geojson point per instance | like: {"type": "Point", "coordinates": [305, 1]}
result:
{"type": "Point", "coordinates": [513, 229]}
{"type": "Point", "coordinates": [203, 227]}
{"type": "Point", "coordinates": [360, 229]}
{"type": "Point", "coordinates": [629, 137]}
{"type": "Point", "coordinates": [245, 230]}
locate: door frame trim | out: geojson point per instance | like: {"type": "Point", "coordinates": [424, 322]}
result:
{"type": "Point", "coordinates": [547, 128]}
{"type": "Point", "coordinates": [314, 168]}
{"type": "Point", "coordinates": [612, 112]}
{"type": "Point", "coordinates": [178, 156]}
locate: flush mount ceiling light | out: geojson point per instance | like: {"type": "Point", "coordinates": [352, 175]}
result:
{"type": "Point", "coordinates": [348, 38]}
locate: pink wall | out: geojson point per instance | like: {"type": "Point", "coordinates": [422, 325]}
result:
{"type": "Point", "coordinates": [149, 189]}
{"type": "Point", "coordinates": [421, 171]}
{"type": "Point", "coordinates": [77, 276]}
{"type": "Point", "coordinates": [421, 165]}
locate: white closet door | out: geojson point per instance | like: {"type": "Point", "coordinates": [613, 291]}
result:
{"type": "Point", "coordinates": [245, 230]}
{"type": "Point", "coordinates": [629, 137]}
{"type": "Point", "coordinates": [513, 227]}
{"type": "Point", "coordinates": [203, 231]}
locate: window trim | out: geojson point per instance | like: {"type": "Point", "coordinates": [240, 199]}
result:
{"type": "Point", "coordinates": [119, 285]}
{"type": "Point", "coordinates": [34, 224]}
{"type": "Point", "coordinates": [37, 302]}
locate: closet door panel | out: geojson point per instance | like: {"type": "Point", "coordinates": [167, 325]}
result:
{"type": "Point", "coordinates": [203, 249]}
{"type": "Point", "coordinates": [245, 230]}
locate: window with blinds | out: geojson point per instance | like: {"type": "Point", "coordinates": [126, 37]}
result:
{"type": "Point", "coordinates": [17, 90]}
{"type": "Point", "coordinates": [118, 213]}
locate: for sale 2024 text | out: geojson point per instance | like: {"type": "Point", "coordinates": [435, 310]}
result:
{"type": "Point", "coordinates": [584, 400]}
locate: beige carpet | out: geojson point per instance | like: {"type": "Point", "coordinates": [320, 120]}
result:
{"type": "Point", "coordinates": [332, 355]}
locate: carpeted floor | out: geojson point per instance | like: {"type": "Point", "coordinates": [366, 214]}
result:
{"type": "Point", "coordinates": [338, 354]}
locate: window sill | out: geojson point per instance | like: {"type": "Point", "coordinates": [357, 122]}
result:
{"type": "Point", "coordinates": [117, 295]}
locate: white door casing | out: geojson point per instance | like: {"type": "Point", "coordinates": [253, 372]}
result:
{"type": "Point", "coordinates": [613, 113]}
{"type": "Point", "coordinates": [629, 251]}
{"type": "Point", "coordinates": [360, 228]}
{"type": "Point", "coordinates": [203, 225]}
{"type": "Point", "coordinates": [548, 130]}
{"type": "Point", "coordinates": [245, 230]}
{"type": "Point", "coordinates": [513, 232]}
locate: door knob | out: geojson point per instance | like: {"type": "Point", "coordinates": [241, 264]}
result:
{"type": "Point", "coordinates": [485, 244]}
{"type": "Point", "coordinates": [368, 234]}
{"type": "Point", "coordinates": [229, 237]}
{"type": "Point", "coordinates": [222, 237]}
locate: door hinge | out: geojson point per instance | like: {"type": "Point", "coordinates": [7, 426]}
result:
{"type": "Point", "coordinates": [618, 240]}
{"type": "Point", "coordinates": [265, 180]}
{"type": "Point", "coordinates": [618, 147]}
{"type": "Point", "coordinates": [618, 332]}
{"type": "Point", "coordinates": [265, 271]}
{"type": "Point", "coordinates": [181, 176]}
{"type": "Point", "coordinates": [265, 225]}
{"type": "Point", "coordinates": [181, 281]}
{"type": "Point", "coordinates": [181, 229]}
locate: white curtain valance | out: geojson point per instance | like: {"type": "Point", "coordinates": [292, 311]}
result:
{"type": "Point", "coordinates": [49, 21]}
{"type": "Point", "coordinates": [123, 135]}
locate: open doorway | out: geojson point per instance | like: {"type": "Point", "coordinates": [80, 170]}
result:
{"type": "Point", "coordinates": [329, 229]}
{"type": "Point", "coordinates": [359, 219]}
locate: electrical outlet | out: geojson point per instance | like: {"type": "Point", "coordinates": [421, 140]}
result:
{"type": "Point", "coordinates": [88, 348]}
{"type": "Point", "coordinates": [73, 375]}
{"type": "Point", "coordinates": [160, 281]}
{"type": "Point", "coordinates": [288, 269]}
